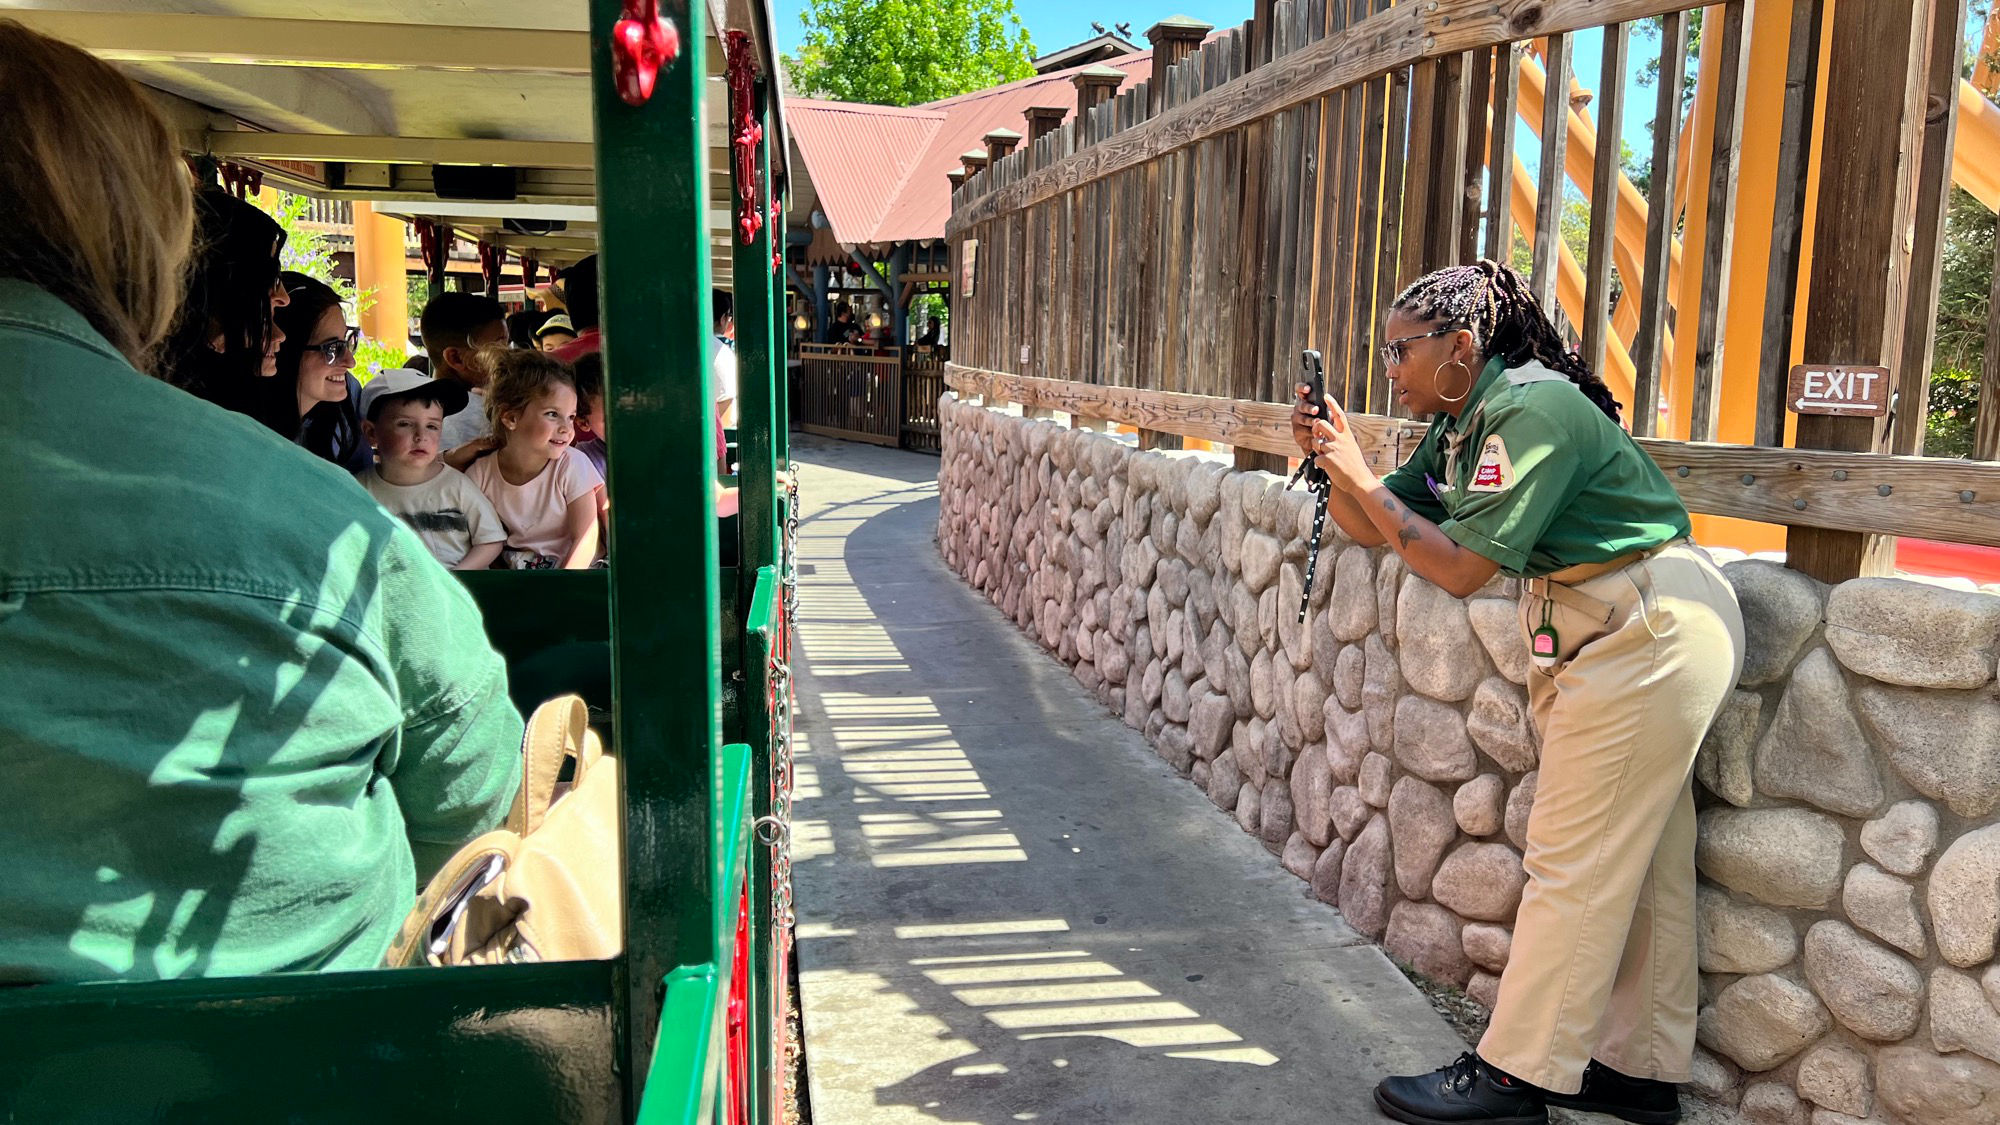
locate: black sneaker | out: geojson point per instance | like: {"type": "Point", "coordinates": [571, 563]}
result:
{"type": "Point", "coordinates": [1645, 1101]}
{"type": "Point", "coordinates": [1468, 1091]}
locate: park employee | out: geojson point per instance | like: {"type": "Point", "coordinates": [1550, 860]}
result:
{"type": "Point", "coordinates": [1636, 641]}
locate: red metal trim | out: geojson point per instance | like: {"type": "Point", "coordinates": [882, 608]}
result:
{"type": "Point", "coordinates": [643, 43]}
{"type": "Point", "coordinates": [746, 134]}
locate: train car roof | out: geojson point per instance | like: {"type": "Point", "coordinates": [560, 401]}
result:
{"type": "Point", "coordinates": [357, 100]}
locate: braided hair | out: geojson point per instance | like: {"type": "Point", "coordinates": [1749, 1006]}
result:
{"type": "Point", "coordinates": [1494, 303]}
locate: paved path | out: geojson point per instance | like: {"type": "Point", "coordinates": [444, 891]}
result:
{"type": "Point", "coordinates": [1009, 908]}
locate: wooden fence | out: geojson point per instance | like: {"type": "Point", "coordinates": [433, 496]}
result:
{"type": "Point", "coordinates": [1275, 189]}
{"type": "Point", "coordinates": [883, 397]}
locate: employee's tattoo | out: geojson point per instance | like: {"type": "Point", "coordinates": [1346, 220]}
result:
{"type": "Point", "coordinates": [1410, 531]}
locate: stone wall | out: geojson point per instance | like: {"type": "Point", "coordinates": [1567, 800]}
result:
{"type": "Point", "coordinates": [1849, 850]}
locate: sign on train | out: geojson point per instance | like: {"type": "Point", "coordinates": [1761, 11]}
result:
{"type": "Point", "coordinates": [1852, 392]}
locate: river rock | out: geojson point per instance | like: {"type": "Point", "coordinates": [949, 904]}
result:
{"type": "Point", "coordinates": [1350, 811]}
{"type": "Point", "coordinates": [1925, 1089]}
{"type": "Point", "coordinates": [1204, 491]}
{"type": "Point", "coordinates": [1964, 897]}
{"type": "Point", "coordinates": [1487, 945]}
{"type": "Point", "coordinates": [1349, 673]}
{"type": "Point", "coordinates": [1482, 882]}
{"type": "Point", "coordinates": [1378, 773]}
{"type": "Point", "coordinates": [1346, 742]}
{"type": "Point", "coordinates": [1139, 562]}
{"type": "Point", "coordinates": [1389, 573]}
{"type": "Point", "coordinates": [1713, 1078]}
{"type": "Point", "coordinates": [1945, 744]}
{"type": "Point", "coordinates": [1267, 619]}
{"type": "Point", "coordinates": [1903, 839]}
{"type": "Point", "coordinates": [1275, 816]}
{"type": "Point", "coordinates": [1914, 634]}
{"type": "Point", "coordinates": [1426, 937]}
{"type": "Point", "coordinates": [1520, 804]}
{"type": "Point", "coordinates": [1771, 1103]}
{"type": "Point", "coordinates": [1325, 877]}
{"type": "Point", "coordinates": [1210, 721]}
{"type": "Point", "coordinates": [1962, 1018]}
{"type": "Point", "coordinates": [1435, 642]}
{"type": "Point", "coordinates": [1725, 761]}
{"type": "Point", "coordinates": [1225, 781]}
{"type": "Point", "coordinates": [1265, 688]}
{"type": "Point", "coordinates": [1236, 681]}
{"type": "Point", "coordinates": [1781, 609]}
{"type": "Point", "coordinates": [1431, 741]}
{"type": "Point", "coordinates": [1420, 826]}
{"type": "Point", "coordinates": [1174, 698]}
{"type": "Point", "coordinates": [1240, 609]}
{"type": "Point", "coordinates": [1836, 1076]}
{"type": "Point", "coordinates": [1249, 807]}
{"type": "Point", "coordinates": [1295, 639]}
{"type": "Point", "coordinates": [1760, 1021]}
{"type": "Point", "coordinates": [1499, 724]}
{"type": "Point", "coordinates": [1311, 786]}
{"type": "Point", "coordinates": [1873, 992]}
{"type": "Point", "coordinates": [1480, 805]}
{"type": "Point", "coordinates": [1381, 685]}
{"type": "Point", "coordinates": [1484, 990]}
{"type": "Point", "coordinates": [1352, 608]}
{"type": "Point", "coordinates": [1299, 856]}
{"type": "Point", "coordinates": [1814, 750]}
{"type": "Point", "coordinates": [1171, 578]}
{"type": "Point", "coordinates": [1784, 857]}
{"type": "Point", "coordinates": [1497, 621]}
{"type": "Point", "coordinates": [1176, 748]}
{"type": "Point", "coordinates": [1308, 705]}
{"type": "Point", "coordinates": [1886, 907]}
{"type": "Point", "coordinates": [1740, 937]}
{"type": "Point", "coordinates": [1364, 879]}
{"type": "Point", "coordinates": [1261, 556]}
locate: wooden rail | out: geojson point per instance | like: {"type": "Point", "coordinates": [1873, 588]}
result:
{"type": "Point", "coordinates": [1870, 493]}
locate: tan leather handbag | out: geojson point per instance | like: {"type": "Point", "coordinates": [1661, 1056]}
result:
{"type": "Point", "coordinates": [548, 885]}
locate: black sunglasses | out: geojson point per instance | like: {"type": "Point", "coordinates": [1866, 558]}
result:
{"type": "Point", "coordinates": [338, 348]}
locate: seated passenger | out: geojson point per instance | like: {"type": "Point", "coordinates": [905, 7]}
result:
{"type": "Point", "coordinates": [244, 712]}
{"type": "Point", "coordinates": [555, 332]}
{"type": "Point", "coordinates": [403, 415]}
{"type": "Point", "coordinates": [455, 327]}
{"type": "Point", "coordinates": [521, 327]}
{"type": "Point", "coordinates": [543, 487]}
{"type": "Point", "coordinates": [579, 291]}
{"type": "Point", "coordinates": [589, 376]}
{"type": "Point", "coordinates": [316, 358]}
{"type": "Point", "coordinates": [224, 343]}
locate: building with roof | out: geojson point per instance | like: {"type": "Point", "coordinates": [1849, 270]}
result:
{"type": "Point", "coordinates": [870, 209]}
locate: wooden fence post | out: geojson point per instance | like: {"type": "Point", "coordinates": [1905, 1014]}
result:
{"type": "Point", "coordinates": [1860, 264]}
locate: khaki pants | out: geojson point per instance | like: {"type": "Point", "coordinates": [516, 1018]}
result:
{"type": "Point", "coordinates": [1603, 961]}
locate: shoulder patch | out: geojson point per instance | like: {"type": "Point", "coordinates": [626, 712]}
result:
{"type": "Point", "coordinates": [1495, 471]}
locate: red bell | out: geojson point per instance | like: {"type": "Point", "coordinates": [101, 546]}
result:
{"type": "Point", "coordinates": [748, 226]}
{"type": "Point", "coordinates": [642, 44]}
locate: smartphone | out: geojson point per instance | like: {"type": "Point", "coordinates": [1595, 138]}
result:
{"type": "Point", "coordinates": [1313, 375]}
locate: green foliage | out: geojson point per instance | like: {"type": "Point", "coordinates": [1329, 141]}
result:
{"type": "Point", "coordinates": [1958, 352]}
{"type": "Point", "coordinates": [904, 52]}
{"type": "Point", "coordinates": [927, 307]}
{"type": "Point", "coordinates": [306, 251]}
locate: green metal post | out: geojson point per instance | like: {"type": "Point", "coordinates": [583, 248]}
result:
{"type": "Point", "coordinates": [756, 481]}
{"type": "Point", "coordinates": [652, 201]}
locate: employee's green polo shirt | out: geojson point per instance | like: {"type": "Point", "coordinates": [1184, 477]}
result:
{"type": "Point", "coordinates": [1532, 475]}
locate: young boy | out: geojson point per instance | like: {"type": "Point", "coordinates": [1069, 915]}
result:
{"type": "Point", "coordinates": [454, 326]}
{"type": "Point", "coordinates": [403, 417]}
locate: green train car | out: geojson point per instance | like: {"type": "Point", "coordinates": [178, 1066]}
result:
{"type": "Point", "coordinates": [652, 134]}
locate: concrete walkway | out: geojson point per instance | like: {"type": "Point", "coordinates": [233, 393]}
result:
{"type": "Point", "coordinates": [1009, 908]}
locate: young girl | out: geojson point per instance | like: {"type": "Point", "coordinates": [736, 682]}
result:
{"type": "Point", "coordinates": [544, 489]}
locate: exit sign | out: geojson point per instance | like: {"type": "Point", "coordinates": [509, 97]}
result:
{"type": "Point", "coordinates": [1851, 392]}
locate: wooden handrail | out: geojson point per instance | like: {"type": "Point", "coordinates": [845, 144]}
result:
{"type": "Point", "coordinates": [1936, 498]}
{"type": "Point", "coordinates": [1389, 40]}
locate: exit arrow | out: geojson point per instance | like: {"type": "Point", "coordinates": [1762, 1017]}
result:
{"type": "Point", "coordinates": [1801, 405]}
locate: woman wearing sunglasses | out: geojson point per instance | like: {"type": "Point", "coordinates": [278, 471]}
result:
{"type": "Point", "coordinates": [1635, 639]}
{"type": "Point", "coordinates": [316, 361]}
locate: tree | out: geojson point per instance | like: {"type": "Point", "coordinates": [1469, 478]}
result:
{"type": "Point", "coordinates": [306, 252]}
{"type": "Point", "coordinates": [904, 52]}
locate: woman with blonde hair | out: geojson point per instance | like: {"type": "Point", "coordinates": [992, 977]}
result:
{"type": "Point", "coordinates": [245, 711]}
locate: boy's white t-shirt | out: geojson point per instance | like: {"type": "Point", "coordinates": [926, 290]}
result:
{"type": "Point", "coordinates": [536, 513]}
{"type": "Point", "coordinates": [467, 424]}
{"type": "Point", "coordinates": [448, 512]}
{"type": "Point", "coordinates": [722, 370]}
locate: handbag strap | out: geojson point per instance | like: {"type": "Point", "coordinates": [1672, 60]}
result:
{"type": "Point", "coordinates": [558, 731]}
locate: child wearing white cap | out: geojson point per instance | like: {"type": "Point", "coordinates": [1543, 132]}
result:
{"type": "Point", "coordinates": [403, 416]}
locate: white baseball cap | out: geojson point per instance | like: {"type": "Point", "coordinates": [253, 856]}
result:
{"type": "Point", "coordinates": [401, 380]}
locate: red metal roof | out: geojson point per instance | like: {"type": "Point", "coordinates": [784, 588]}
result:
{"type": "Point", "coordinates": [880, 170]}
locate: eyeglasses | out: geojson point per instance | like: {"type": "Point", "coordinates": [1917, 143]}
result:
{"type": "Point", "coordinates": [1392, 352]}
{"type": "Point", "coordinates": [338, 348]}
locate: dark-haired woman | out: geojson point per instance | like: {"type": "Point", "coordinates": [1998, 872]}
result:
{"type": "Point", "coordinates": [224, 345]}
{"type": "Point", "coordinates": [316, 361]}
{"type": "Point", "coordinates": [1635, 640]}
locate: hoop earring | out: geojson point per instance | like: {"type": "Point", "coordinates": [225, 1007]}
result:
{"type": "Point", "coordinates": [1469, 380]}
